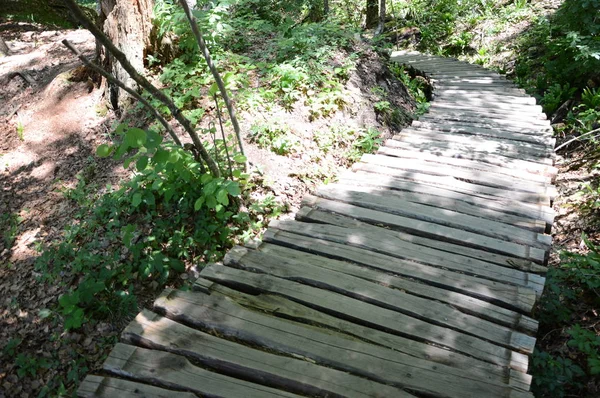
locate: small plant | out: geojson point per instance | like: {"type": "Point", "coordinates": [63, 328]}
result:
{"type": "Point", "coordinates": [553, 374]}
{"type": "Point", "coordinates": [10, 223]}
{"type": "Point", "coordinates": [275, 137]}
{"type": "Point", "coordinates": [367, 141]}
{"type": "Point", "coordinates": [590, 98]}
{"type": "Point", "coordinates": [556, 95]}
{"type": "Point", "coordinates": [20, 131]}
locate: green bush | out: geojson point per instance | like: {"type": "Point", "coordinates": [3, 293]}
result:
{"type": "Point", "coordinates": [169, 214]}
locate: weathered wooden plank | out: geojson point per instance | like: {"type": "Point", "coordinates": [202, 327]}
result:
{"type": "Point", "coordinates": [517, 133]}
{"type": "Point", "coordinates": [480, 268]}
{"type": "Point", "coordinates": [175, 371]}
{"type": "Point", "coordinates": [495, 150]}
{"type": "Point", "coordinates": [435, 215]}
{"type": "Point", "coordinates": [440, 150]}
{"type": "Point", "coordinates": [470, 103]}
{"type": "Point", "coordinates": [416, 308]}
{"type": "Point", "coordinates": [530, 146]}
{"type": "Point", "coordinates": [284, 308]}
{"type": "Point", "coordinates": [522, 118]}
{"type": "Point", "coordinates": [485, 81]}
{"type": "Point", "coordinates": [358, 311]}
{"type": "Point", "coordinates": [356, 263]}
{"type": "Point", "coordinates": [503, 182]}
{"type": "Point", "coordinates": [477, 77]}
{"type": "Point", "coordinates": [326, 347]}
{"type": "Point", "coordinates": [463, 163]}
{"type": "Point", "coordinates": [465, 116]}
{"type": "Point", "coordinates": [476, 87]}
{"type": "Point", "coordinates": [503, 286]}
{"type": "Point", "coordinates": [425, 187]}
{"type": "Point", "coordinates": [433, 230]}
{"type": "Point", "coordinates": [470, 94]}
{"type": "Point", "coordinates": [242, 362]}
{"type": "Point", "coordinates": [109, 387]}
{"type": "Point", "coordinates": [451, 183]}
{"type": "Point", "coordinates": [513, 149]}
{"type": "Point", "coordinates": [396, 199]}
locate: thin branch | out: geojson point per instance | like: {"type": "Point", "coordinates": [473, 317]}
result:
{"type": "Point", "coordinates": [223, 135]}
{"type": "Point", "coordinates": [575, 139]}
{"type": "Point", "coordinates": [133, 93]}
{"type": "Point", "coordinates": [215, 73]}
{"type": "Point", "coordinates": [144, 83]}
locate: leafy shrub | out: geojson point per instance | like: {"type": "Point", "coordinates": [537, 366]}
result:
{"type": "Point", "coordinates": [169, 213]}
{"type": "Point", "coordinates": [275, 137]}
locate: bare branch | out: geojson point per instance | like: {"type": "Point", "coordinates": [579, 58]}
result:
{"type": "Point", "coordinates": [144, 83]}
{"type": "Point", "coordinates": [215, 73]}
{"type": "Point", "coordinates": [122, 85]}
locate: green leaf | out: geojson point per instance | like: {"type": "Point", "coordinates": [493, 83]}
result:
{"type": "Point", "coordinates": [136, 199]}
{"type": "Point", "coordinates": [205, 178]}
{"type": "Point", "coordinates": [234, 189]}
{"type": "Point", "coordinates": [199, 202]}
{"type": "Point", "coordinates": [135, 137]}
{"type": "Point", "coordinates": [213, 89]}
{"type": "Point", "coordinates": [211, 201]}
{"type": "Point", "coordinates": [103, 150]}
{"type": "Point", "coordinates": [240, 158]}
{"type": "Point", "coordinates": [223, 197]}
{"type": "Point", "coordinates": [142, 163]}
{"type": "Point", "coordinates": [161, 156]}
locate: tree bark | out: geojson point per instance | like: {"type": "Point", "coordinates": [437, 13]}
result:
{"type": "Point", "coordinates": [372, 14]}
{"type": "Point", "coordinates": [382, 11]}
{"type": "Point", "coordinates": [128, 24]}
{"type": "Point", "coordinates": [4, 50]}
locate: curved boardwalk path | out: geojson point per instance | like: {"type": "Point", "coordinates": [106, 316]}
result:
{"type": "Point", "coordinates": [414, 276]}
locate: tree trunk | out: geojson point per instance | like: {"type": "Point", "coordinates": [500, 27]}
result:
{"type": "Point", "coordinates": [372, 14]}
{"type": "Point", "coordinates": [128, 24]}
{"type": "Point", "coordinates": [382, 11]}
{"type": "Point", "coordinates": [4, 50]}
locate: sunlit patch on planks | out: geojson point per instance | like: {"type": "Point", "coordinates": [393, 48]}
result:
{"type": "Point", "coordinates": [413, 276]}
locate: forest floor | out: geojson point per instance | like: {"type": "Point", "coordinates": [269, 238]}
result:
{"type": "Point", "coordinates": [51, 121]}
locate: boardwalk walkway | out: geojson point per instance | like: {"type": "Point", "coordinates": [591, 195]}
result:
{"type": "Point", "coordinates": [414, 276]}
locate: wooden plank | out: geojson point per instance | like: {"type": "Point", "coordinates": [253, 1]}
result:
{"type": "Point", "coordinates": [476, 87]}
{"type": "Point", "coordinates": [423, 212]}
{"type": "Point", "coordinates": [473, 144]}
{"type": "Point", "coordinates": [487, 81]}
{"type": "Point", "coordinates": [451, 183]}
{"type": "Point", "coordinates": [463, 163]}
{"type": "Point", "coordinates": [109, 387]}
{"type": "Point", "coordinates": [286, 309]}
{"type": "Point", "coordinates": [522, 142]}
{"type": "Point", "coordinates": [518, 133]}
{"type": "Point", "coordinates": [495, 149]}
{"type": "Point", "coordinates": [470, 94]}
{"type": "Point", "coordinates": [401, 167]}
{"type": "Point", "coordinates": [452, 234]}
{"type": "Point", "coordinates": [455, 100]}
{"type": "Point", "coordinates": [376, 268]}
{"type": "Point", "coordinates": [396, 199]}
{"type": "Point", "coordinates": [532, 152]}
{"type": "Point", "coordinates": [515, 114]}
{"type": "Point", "coordinates": [483, 259]}
{"type": "Point", "coordinates": [175, 371]}
{"type": "Point", "coordinates": [514, 118]}
{"type": "Point", "coordinates": [477, 77]}
{"type": "Point", "coordinates": [438, 149]}
{"type": "Point", "coordinates": [358, 311]}
{"type": "Point", "coordinates": [242, 362]}
{"type": "Point", "coordinates": [503, 286]}
{"type": "Point", "coordinates": [415, 308]}
{"type": "Point", "coordinates": [527, 210]}
{"type": "Point", "coordinates": [223, 316]}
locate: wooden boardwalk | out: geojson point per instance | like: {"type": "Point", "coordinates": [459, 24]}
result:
{"type": "Point", "coordinates": [413, 276]}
